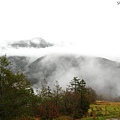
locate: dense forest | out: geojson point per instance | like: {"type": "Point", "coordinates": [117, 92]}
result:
{"type": "Point", "coordinates": [19, 101]}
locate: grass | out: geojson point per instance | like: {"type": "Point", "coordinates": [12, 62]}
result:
{"type": "Point", "coordinates": [102, 110]}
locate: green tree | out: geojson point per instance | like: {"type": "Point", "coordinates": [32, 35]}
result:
{"type": "Point", "coordinates": [73, 102]}
{"type": "Point", "coordinates": [77, 98]}
{"type": "Point", "coordinates": [16, 94]}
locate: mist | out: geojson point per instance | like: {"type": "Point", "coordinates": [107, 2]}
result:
{"type": "Point", "coordinates": [59, 48]}
{"type": "Point", "coordinates": [99, 73]}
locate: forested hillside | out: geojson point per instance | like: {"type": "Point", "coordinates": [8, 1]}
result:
{"type": "Point", "coordinates": [18, 100]}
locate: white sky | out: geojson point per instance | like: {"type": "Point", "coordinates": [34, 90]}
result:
{"type": "Point", "coordinates": [92, 25]}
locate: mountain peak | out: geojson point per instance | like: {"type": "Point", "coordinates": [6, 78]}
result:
{"type": "Point", "coordinates": [35, 43]}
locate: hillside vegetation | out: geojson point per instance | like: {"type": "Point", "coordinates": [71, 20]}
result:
{"type": "Point", "coordinates": [18, 100]}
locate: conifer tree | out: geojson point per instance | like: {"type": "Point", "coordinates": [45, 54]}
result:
{"type": "Point", "coordinates": [16, 94]}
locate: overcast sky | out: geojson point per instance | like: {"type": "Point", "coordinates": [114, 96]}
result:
{"type": "Point", "coordinates": [92, 25]}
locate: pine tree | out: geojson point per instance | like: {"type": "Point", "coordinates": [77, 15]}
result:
{"type": "Point", "coordinates": [77, 98]}
{"type": "Point", "coordinates": [16, 94]}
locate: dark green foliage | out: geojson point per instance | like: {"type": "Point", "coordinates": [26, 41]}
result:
{"type": "Point", "coordinates": [79, 99]}
{"type": "Point", "coordinates": [16, 94]}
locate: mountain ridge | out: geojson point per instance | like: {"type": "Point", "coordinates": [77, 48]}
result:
{"type": "Point", "coordinates": [35, 43]}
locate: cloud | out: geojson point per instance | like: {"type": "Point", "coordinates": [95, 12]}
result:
{"type": "Point", "coordinates": [62, 48]}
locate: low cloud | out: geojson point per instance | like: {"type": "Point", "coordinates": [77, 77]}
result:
{"type": "Point", "coordinates": [100, 74]}
{"type": "Point", "coordinates": [63, 48]}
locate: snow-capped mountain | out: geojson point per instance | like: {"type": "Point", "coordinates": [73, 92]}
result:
{"type": "Point", "coordinates": [35, 43]}
{"type": "Point", "coordinates": [30, 48]}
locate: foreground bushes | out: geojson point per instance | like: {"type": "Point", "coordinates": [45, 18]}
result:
{"type": "Point", "coordinates": [74, 101]}
{"type": "Point", "coordinates": [16, 94]}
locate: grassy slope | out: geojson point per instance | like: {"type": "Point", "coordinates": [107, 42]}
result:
{"type": "Point", "coordinates": [101, 110]}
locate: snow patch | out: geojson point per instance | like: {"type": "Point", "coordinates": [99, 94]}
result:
{"type": "Point", "coordinates": [36, 40]}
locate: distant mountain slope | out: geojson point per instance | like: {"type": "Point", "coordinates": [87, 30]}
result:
{"type": "Point", "coordinates": [19, 63]}
{"type": "Point", "coordinates": [101, 74]}
{"type": "Point", "coordinates": [35, 43]}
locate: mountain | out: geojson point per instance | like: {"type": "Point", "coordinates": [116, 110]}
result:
{"type": "Point", "coordinates": [35, 43]}
{"type": "Point", "coordinates": [19, 63]}
{"type": "Point", "coordinates": [29, 48]}
{"type": "Point", "coordinates": [101, 74]}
